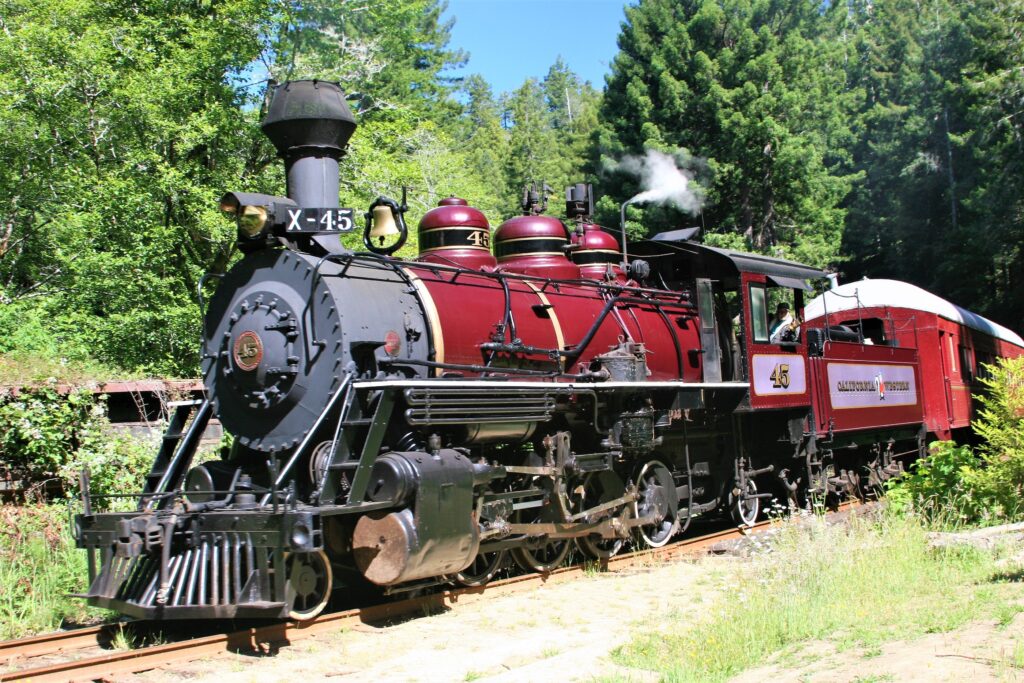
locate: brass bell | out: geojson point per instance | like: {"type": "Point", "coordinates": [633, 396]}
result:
{"type": "Point", "coordinates": [384, 225]}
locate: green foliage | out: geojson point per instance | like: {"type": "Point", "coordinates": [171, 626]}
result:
{"type": "Point", "coordinates": [45, 435]}
{"type": "Point", "coordinates": [957, 485]}
{"type": "Point", "coordinates": [857, 586]}
{"type": "Point", "coordinates": [550, 123]}
{"type": "Point", "coordinates": [1000, 424]}
{"type": "Point", "coordinates": [755, 87]}
{"type": "Point", "coordinates": [936, 486]}
{"type": "Point", "coordinates": [117, 463]}
{"type": "Point", "coordinates": [124, 122]}
{"type": "Point", "coordinates": [391, 52]}
{"type": "Point", "coordinates": [38, 430]}
{"type": "Point", "coordinates": [120, 128]}
{"type": "Point", "coordinates": [39, 567]}
{"type": "Point", "coordinates": [937, 136]}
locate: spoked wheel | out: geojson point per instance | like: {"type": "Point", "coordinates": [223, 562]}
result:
{"type": "Point", "coordinates": [483, 569]}
{"type": "Point", "coordinates": [600, 487]}
{"type": "Point", "coordinates": [309, 580]}
{"type": "Point", "coordinates": [658, 499]}
{"type": "Point", "coordinates": [597, 548]}
{"type": "Point", "coordinates": [744, 511]}
{"type": "Point", "coordinates": [549, 556]}
{"type": "Point", "coordinates": [544, 559]}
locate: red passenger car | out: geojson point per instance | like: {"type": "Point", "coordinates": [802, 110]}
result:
{"type": "Point", "coordinates": [920, 356]}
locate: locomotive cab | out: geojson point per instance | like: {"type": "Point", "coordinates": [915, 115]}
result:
{"type": "Point", "coordinates": [736, 294]}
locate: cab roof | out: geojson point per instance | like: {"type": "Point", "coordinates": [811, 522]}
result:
{"type": "Point", "coordinates": [700, 260]}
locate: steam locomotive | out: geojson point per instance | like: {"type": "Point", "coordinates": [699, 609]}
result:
{"type": "Point", "coordinates": [408, 423]}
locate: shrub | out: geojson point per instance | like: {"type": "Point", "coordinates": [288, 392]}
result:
{"type": "Point", "coordinates": [39, 428]}
{"type": "Point", "coordinates": [956, 484]}
{"type": "Point", "coordinates": [1000, 424]}
{"type": "Point", "coordinates": [117, 463]}
{"type": "Point", "coordinates": [46, 436]}
{"type": "Point", "coordinates": [937, 486]}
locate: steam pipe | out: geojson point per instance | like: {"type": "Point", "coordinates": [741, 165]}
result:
{"type": "Point", "coordinates": [622, 228]}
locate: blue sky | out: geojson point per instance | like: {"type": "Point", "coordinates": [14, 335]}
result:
{"type": "Point", "coordinates": [509, 41]}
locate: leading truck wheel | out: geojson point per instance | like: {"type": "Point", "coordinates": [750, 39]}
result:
{"type": "Point", "coordinates": [309, 580]}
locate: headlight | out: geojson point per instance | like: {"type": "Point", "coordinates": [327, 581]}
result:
{"type": "Point", "coordinates": [255, 214]}
{"type": "Point", "coordinates": [252, 220]}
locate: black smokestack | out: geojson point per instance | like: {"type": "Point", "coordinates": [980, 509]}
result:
{"type": "Point", "coordinates": [310, 124]}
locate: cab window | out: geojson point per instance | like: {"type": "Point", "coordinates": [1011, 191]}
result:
{"type": "Point", "coordinates": [759, 313]}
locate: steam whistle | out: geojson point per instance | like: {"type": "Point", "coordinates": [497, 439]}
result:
{"type": "Point", "coordinates": [535, 199]}
{"type": "Point", "coordinates": [579, 202]}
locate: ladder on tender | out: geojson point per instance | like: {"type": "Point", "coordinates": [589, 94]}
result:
{"type": "Point", "coordinates": [177, 448]}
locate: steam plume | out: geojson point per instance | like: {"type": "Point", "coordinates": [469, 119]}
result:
{"type": "Point", "coordinates": [664, 181]}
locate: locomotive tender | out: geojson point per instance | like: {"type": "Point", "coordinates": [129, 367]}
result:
{"type": "Point", "coordinates": [414, 422]}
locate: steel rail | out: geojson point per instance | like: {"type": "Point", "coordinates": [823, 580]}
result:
{"type": "Point", "coordinates": [53, 643]}
{"type": "Point", "coordinates": [263, 638]}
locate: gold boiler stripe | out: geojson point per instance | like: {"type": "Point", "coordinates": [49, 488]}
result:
{"type": "Point", "coordinates": [535, 238]}
{"type": "Point", "coordinates": [557, 326]}
{"type": "Point", "coordinates": [530, 253]}
{"type": "Point", "coordinates": [455, 246]}
{"type": "Point", "coordinates": [451, 227]}
{"type": "Point", "coordinates": [433, 319]}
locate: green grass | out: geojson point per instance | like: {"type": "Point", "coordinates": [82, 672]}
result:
{"type": "Point", "coordinates": [39, 566]}
{"type": "Point", "coordinates": [858, 586]}
{"type": "Point", "coordinates": [1017, 660]}
{"type": "Point", "coordinates": [124, 639]}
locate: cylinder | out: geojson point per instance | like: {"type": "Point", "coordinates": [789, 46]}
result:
{"type": "Point", "coordinates": [437, 535]}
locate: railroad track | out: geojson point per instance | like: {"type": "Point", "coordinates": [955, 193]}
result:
{"type": "Point", "coordinates": [25, 653]}
{"type": "Point", "coordinates": [55, 643]}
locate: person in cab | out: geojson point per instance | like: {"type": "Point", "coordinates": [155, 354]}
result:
{"type": "Point", "coordinates": [783, 325]}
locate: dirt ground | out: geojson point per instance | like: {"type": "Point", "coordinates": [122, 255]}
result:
{"type": "Point", "coordinates": [558, 632]}
{"type": "Point", "coordinates": [566, 632]}
{"type": "Point", "coordinates": [979, 653]}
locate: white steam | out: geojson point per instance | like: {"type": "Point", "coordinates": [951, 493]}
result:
{"type": "Point", "coordinates": [665, 179]}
